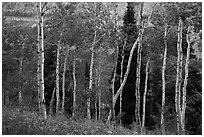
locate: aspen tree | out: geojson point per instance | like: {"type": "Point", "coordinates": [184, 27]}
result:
{"type": "Point", "coordinates": [113, 82]}
{"type": "Point", "coordinates": [41, 62]}
{"type": "Point", "coordinates": [63, 79]}
{"type": "Point", "coordinates": [21, 74]}
{"type": "Point", "coordinates": [178, 77]}
{"type": "Point", "coordinates": [74, 90]}
{"type": "Point", "coordinates": [124, 79]}
{"type": "Point", "coordinates": [138, 69]}
{"type": "Point", "coordinates": [57, 80]}
{"type": "Point", "coordinates": [163, 80]}
{"type": "Point", "coordinates": [145, 94]}
{"type": "Point", "coordinates": [91, 76]}
{"type": "Point", "coordinates": [57, 69]}
{"type": "Point", "coordinates": [185, 81]}
{"type": "Point", "coordinates": [115, 67]}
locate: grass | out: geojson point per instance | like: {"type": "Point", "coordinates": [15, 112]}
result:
{"type": "Point", "coordinates": [22, 122]}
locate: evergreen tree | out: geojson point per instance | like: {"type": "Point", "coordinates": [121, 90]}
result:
{"type": "Point", "coordinates": [129, 23]}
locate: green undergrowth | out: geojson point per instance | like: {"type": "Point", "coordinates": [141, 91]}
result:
{"type": "Point", "coordinates": [23, 122]}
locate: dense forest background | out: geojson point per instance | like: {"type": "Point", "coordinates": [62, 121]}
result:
{"type": "Point", "coordinates": [87, 49]}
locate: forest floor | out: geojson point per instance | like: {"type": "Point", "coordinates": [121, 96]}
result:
{"type": "Point", "coordinates": [24, 122]}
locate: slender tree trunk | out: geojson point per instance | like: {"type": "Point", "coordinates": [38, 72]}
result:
{"type": "Point", "coordinates": [64, 80]}
{"type": "Point", "coordinates": [164, 82]}
{"type": "Point", "coordinates": [113, 83]}
{"type": "Point", "coordinates": [21, 75]}
{"type": "Point", "coordinates": [20, 99]}
{"type": "Point", "coordinates": [185, 82]}
{"type": "Point", "coordinates": [52, 101]}
{"type": "Point", "coordinates": [38, 54]}
{"type": "Point", "coordinates": [121, 78]}
{"type": "Point", "coordinates": [178, 78]}
{"type": "Point", "coordinates": [138, 69]}
{"type": "Point", "coordinates": [91, 77]}
{"type": "Point", "coordinates": [115, 70]}
{"type": "Point", "coordinates": [99, 96]}
{"type": "Point", "coordinates": [96, 108]}
{"type": "Point", "coordinates": [41, 62]}
{"type": "Point", "coordinates": [144, 95]}
{"type": "Point", "coordinates": [124, 79]}
{"type": "Point", "coordinates": [74, 91]}
{"type": "Point", "coordinates": [57, 70]}
{"type": "Point", "coordinates": [57, 80]}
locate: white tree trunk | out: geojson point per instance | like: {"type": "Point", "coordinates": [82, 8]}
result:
{"type": "Point", "coordinates": [144, 95]}
{"type": "Point", "coordinates": [178, 78]}
{"type": "Point", "coordinates": [125, 77]}
{"type": "Point", "coordinates": [91, 77]}
{"type": "Point", "coordinates": [138, 69]}
{"type": "Point", "coordinates": [164, 81]}
{"type": "Point", "coordinates": [74, 90]}
{"type": "Point", "coordinates": [57, 79]}
{"type": "Point", "coordinates": [113, 82]}
{"type": "Point", "coordinates": [185, 81]}
{"type": "Point", "coordinates": [41, 61]}
{"type": "Point", "coordinates": [63, 79]}
{"type": "Point", "coordinates": [57, 69]}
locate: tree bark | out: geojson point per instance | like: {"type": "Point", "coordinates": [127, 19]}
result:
{"type": "Point", "coordinates": [178, 77]}
{"type": "Point", "coordinates": [144, 95]}
{"type": "Point", "coordinates": [138, 69]}
{"type": "Point", "coordinates": [63, 79]}
{"type": "Point", "coordinates": [124, 79]}
{"type": "Point", "coordinates": [41, 62]}
{"type": "Point", "coordinates": [185, 82]}
{"type": "Point", "coordinates": [57, 79]}
{"type": "Point", "coordinates": [113, 82]}
{"type": "Point", "coordinates": [74, 90]}
{"type": "Point", "coordinates": [164, 82]}
{"type": "Point", "coordinates": [91, 77]}
{"type": "Point", "coordinates": [57, 69]}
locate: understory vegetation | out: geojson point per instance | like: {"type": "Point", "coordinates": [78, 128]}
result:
{"type": "Point", "coordinates": [23, 121]}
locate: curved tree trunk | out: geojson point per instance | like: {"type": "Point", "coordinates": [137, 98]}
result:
{"type": "Point", "coordinates": [41, 62]}
{"type": "Point", "coordinates": [125, 77]}
{"type": "Point", "coordinates": [121, 78]}
{"type": "Point", "coordinates": [164, 81]}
